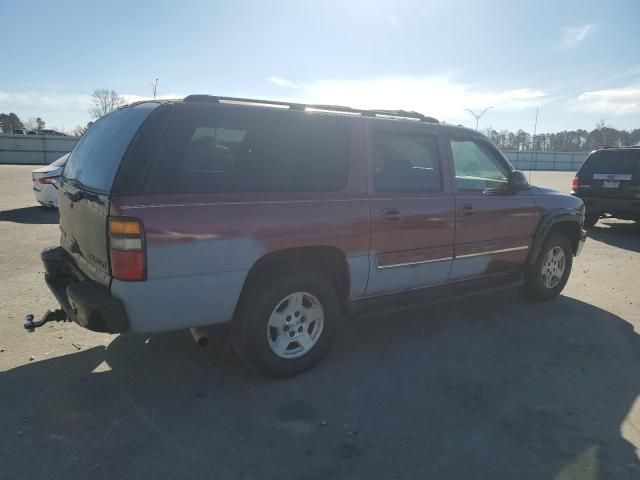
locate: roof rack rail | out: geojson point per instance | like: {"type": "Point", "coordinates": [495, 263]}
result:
{"type": "Point", "coordinates": [303, 106]}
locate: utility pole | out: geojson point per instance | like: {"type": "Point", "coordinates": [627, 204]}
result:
{"type": "Point", "coordinates": [478, 116]}
{"type": "Point", "coordinates": [155, 88]}
{"type": "Point", "coordinates": [533, 144]}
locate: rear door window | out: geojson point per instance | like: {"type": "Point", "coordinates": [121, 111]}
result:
{"type": "Point", "coordinates": [405, 162]}
{"type": "Point", "coordinates": [209, 149]}
{"type": "Point", "coordinates": [94, 161]}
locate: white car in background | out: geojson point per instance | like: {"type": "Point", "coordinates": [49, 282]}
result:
{"type": "Point", "coordinates": [45, 182]}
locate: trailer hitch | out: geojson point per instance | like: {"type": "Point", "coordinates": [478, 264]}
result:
{"type": "Point", "coordinates": [57, 315]}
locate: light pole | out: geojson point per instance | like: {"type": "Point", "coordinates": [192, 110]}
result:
{"type": "Point", "coordinates": [155, 88]}
{"type": "Point", "coordinates": [478, 116]}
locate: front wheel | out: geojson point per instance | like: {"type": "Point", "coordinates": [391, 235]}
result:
{"type": "Point", "coordinates": [549, 274]}
{"type": "Point", "coordinates": [286, 326]}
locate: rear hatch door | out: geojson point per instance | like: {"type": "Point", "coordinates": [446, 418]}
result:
{"type": "Point", "coordinates": [611, 173]}
{"type": "Point", "coordinates": [85, 190]}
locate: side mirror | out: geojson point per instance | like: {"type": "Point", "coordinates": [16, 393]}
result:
{"type": "Point", "coordinates": [518, 181]}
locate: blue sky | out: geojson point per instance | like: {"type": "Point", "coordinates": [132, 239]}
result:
{"type": "Point", "coordinates": [578, 61]}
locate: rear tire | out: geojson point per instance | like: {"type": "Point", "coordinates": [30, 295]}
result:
{"type": "Point", "coordinates": [286, 326]}
{"type": "Point", "coordinates": [549, 274]}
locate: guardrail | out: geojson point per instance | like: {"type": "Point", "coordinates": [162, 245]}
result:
{"type": "Point", "coordinates": [34, 149]}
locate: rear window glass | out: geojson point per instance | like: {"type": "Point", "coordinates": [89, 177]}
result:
{"type": "Point", "coordinates": [95, 159]}
{"type": "Point", "coordinates": [612, 162]}
{"type": "Point", "coordinates": [222, 149]}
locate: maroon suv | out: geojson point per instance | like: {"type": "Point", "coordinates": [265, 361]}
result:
{"type": "Point", "coordinates": [280, 217]}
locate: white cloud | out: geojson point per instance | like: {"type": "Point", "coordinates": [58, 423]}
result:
{"type": "Point", "coordinates": [281, 82]}
{"type": "Point", "coordinates": [572, 36]}
{"type": "Point", "coordinates": [138, 98]}
{"type": "Point", "coordinates": [436, 96]}
{"type": "Point", "coordinates": [395, 22]}
{"type": "Point", "coordinates": [618, 101]}
{"type": "Point", "coordinates": [58, 109]}
{"type": "Point", "coordinates": [60, 101]}
{"type": "Point", "coordinates": [44, 101]}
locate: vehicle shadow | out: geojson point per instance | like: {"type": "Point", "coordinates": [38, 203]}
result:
{"type": "Point", "coordinates": [486, 388]}
{"type": "Point", "coordinates": [31, 215]}
{"type": "Point", "coordinates": [619, 234]}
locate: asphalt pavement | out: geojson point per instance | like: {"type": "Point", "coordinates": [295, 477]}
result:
{"type": "Point", "coordinates": [492, 387]}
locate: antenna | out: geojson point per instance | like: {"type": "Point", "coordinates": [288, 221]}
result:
{"type": "Point", "coordinates": [533, 144]}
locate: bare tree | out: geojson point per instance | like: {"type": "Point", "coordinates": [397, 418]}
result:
{"type": "Point", "coordinates": [104, 102]}
{"type": "Point", "coordinates": [30, 124]}
{"type": "Point", "coordinates": [79, 130]}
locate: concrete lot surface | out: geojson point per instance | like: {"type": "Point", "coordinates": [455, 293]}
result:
{"type": "Point", "coordinates": [487, 388]}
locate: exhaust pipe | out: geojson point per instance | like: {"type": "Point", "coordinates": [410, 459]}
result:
{"type": "Point", "coordinates": [200, 336]}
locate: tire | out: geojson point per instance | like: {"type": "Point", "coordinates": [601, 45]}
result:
{"type": "Point", "coordinates": [539, 284]}
{"type": "Point", "coordinates": [590, 219]}
{"type": "Point", "coordinates": [269, 307]}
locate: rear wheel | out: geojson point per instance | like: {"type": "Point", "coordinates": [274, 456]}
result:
{"type": "Point", "coordinates": [549, 274]}
{"type": "Point", "coordinates": [286, 326]}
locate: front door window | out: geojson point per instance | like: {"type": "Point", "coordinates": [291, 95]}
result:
{"type": "Point", "coordinates": [477, 167]}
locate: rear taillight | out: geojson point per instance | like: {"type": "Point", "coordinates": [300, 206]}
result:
{"type": "Point", "coordinates": [45, 180]}
{"type": "Point", "coordinates": [127, 249]}
{"type": "Point", "coordinates": [576, 184]}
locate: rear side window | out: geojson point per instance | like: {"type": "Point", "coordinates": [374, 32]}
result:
{"type": "Point", "coordinates": [94, 161]}
{"type": "Point", "coordinates": [612, 162]}
{"type": "Point", "coordinates": [238, 149]}
{"type": "Point", "coordinates": [405, 162]}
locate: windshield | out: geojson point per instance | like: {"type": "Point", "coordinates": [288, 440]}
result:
{"type": "Point", "coordinates": [95, 159]}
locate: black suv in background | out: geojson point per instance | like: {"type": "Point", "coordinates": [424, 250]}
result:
{"type": "Point", "coordinates": [609, 183]}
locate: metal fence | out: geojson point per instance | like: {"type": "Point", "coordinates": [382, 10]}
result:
{"type": "Point", "coordinates": [44, 149]}
{"type": "Point", "coordinates": [34, 149]}
{"type": "Point", "coordinates": [563, 161]}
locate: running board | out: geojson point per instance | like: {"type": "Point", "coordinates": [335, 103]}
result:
{"type": "Point", "coordinates": [395, 302]}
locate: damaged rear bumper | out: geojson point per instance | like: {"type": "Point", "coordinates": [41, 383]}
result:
{"type": "Point", "coordinates": [86, 302]}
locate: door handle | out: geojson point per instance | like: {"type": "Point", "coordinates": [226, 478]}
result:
{"type": "Point", "coordinates": [390, 214]}
{"type": "Point", "coordinates": [465, 210]}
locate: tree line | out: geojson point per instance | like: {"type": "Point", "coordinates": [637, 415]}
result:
{"type": "Point", "coordinates": [566, 141]}
{"type": "Point", "coordinates": [10, 123]}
